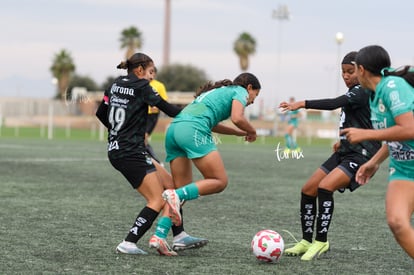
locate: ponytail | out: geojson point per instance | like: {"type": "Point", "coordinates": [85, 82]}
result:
{"type": "Point", "coordinates": [210, 86]}
{"type": "Point", "coordinates": [406, 72]}
{"type": "Point", "coordinates": [243, 80]}
{"type": "Point", "coordinates": [136, 60]}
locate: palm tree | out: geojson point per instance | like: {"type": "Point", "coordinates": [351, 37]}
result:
{"type": "Point", "coordinates": [62, 69]}
{"type": "Point", "coordinates": [244, 46]}
{"type": "Point", "coordinates": [131, 39]}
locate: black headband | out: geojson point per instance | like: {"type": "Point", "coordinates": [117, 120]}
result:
{"type": "Point", "coordinates": [349, 58]}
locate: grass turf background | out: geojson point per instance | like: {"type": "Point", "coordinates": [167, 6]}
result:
{"type": "Point", "coordinates": [64, 209]}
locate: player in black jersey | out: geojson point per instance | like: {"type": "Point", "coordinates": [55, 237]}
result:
{"type": "Point", "coordinates": [338, 171]}
{"type": "Point", "coordinates": [124, 111]}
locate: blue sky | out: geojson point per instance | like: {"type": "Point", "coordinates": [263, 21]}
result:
{"type": "Point", "coordinates": [202, 34]}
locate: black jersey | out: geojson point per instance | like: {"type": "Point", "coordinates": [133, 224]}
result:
{"type": "Point", "coordinates": [355, 112]}
{"type": "Point", "coordinates": [128, 100]}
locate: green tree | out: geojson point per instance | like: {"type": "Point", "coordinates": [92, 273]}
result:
{"type": "Point", "coordinates": [62, 68]}
{"type": "Point", "coordinates": [184, 78]}
{"type": "Point", "coordinates": [244, 46]}
{"type": "Point", "coordinates": [82, 81]}
{"type": "Point", "coordinates": [131, 40]}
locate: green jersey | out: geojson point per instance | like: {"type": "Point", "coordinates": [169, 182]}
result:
{"type": "Point", "coordinates": [213, 106]}
{"type": "Point", "coordinates": [293, 118]}
{"type": "Point", "coordinates": [393, 97]}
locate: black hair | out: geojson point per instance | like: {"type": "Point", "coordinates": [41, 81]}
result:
{"type": "Point", "coordinates": [406, 72]}
{"type": "Point", "coordinates": [243, 79]}
{"type": "Point", "coordinates": [136, 60]}
{"type": "Point", "coordinates": [349, 58]}
{"type": "Point", "coordinates": [373, 58]}
{"type": "Point", "coordinates": [210, 86]}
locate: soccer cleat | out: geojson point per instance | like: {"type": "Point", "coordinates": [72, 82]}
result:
{"type": "Point", "coordinates": [315, 250]}
{"type": "Point", "coordinates": [299, 248]}
{"type": "Point", "coordinates": [298, 150]}
{"type": "Point", "coordinates": [161, 246]}
{"type": "Point", "coordinates": [129, 248]}
{"type": "Point", "coordinates": [286, 152]}
{"type": "Point", "coordinates": [174, 202]}
{"type": "Point", "coordinates": [189, 242]}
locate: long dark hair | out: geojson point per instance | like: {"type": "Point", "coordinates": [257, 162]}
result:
{"type": "Point", "coordinates": [373, 58]}
{"type": "Point", "coordinates": [136, 60]}
{"type": "Point", "coordinates": [406, 72]}
{"type": "Point", "coordinates": [243, 79]}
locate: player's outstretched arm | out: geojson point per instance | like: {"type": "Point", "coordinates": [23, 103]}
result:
{"type": "Point", "coordinates": [291, 106]}
{"type": "Point", "coordinates": [169, 109]}
{"type": "Point", "coordinates": [227, 130]}
{"type": "Point", "coordinates": [102, 113]}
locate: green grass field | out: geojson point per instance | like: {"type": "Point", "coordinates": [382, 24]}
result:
{"type": "Point", "coordinates": [64, 209]}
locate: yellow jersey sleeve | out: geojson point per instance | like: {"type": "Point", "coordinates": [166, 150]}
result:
{"type": "Point", "coordinates": [161, 90]}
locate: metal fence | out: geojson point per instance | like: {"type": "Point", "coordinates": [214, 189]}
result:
{"type": "Point", "coordinates": [30, 107]}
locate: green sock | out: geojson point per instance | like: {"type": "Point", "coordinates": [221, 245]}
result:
{"type": "Point", "coordinates": [188, 192]}
{"type": "Point", "coordinates": [288, 140]}
{"type": "Point", "coordinates": [163, 227]}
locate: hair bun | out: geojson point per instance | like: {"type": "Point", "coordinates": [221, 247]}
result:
{"type": "Point", "coordinates": [122, 65]}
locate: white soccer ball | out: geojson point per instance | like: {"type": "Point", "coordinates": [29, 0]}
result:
{"type": "Point", "coordinates": [267, 246]}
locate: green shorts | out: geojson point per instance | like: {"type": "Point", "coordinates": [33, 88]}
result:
{"type": "Point", "coordinates": [295, 123]}
{"type": "Point", "coordinates": [188, 139]}
{"type": "Point", "coordinates": [396, 172]}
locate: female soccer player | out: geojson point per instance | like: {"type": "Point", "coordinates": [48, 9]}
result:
{"type": "Point", "coordinates": [338, 171]}
{"type": "Point", "coordinates": [189, 138]}
{"type": "Point", "coordinates": [124, 111]}
{"type": "Point", "coordinates": [392, 106]}
{"type": "Point", "coordinates": [293, 122]}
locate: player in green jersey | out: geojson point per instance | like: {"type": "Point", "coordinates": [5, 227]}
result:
{"type": "Point", "coordinates": [392, 106]}
{"type": "Point", "coordinates": [189, 138]}
{"type": "Point", "coordinates": [337, 172]}
{"type": "Point", "coordinates": [293, 123]}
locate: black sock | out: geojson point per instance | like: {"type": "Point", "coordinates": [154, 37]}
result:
{"type": "Point", "coordinates": [143, 222]}
{"type": "Point", "coordinates": [178, 229]}
{"type": "Point", "coordinates": [307, 216]}
{"type": "Point", "coordinates": [325, 211]}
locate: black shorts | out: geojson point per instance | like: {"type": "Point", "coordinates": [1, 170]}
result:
{"type": "Point", "coordinates": [152, 120]}
{"type": "Point", "coordinates": [134, 169]}
{"type": "Point", "coordinates": [349, 163]}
